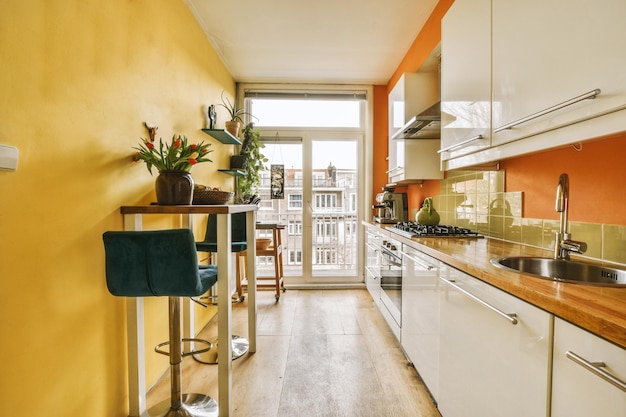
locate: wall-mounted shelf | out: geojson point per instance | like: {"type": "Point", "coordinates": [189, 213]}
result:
{"type": "Point", "coordinates": [233, 172]}
{"type": "Point", "coordinates": [223, 136]}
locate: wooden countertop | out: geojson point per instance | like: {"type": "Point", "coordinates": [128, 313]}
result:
{"type": "Point", "coordinates": [600, 310]}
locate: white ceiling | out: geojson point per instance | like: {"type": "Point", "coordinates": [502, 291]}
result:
{"type": "Point", "coordinates": [312, 41]}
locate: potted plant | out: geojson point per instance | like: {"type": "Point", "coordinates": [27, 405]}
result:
{"type": "Point", "coordinates": [173, 160]}
{"type": "Point", "coordinates": [254, 162]}
{"type": "Point", "coordinates": [236, 115]}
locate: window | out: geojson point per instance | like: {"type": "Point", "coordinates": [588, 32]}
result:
{"type": "Point", "coordinates": [319, 179]}
{"type": "Point", "coordinates": [326, 256]}
{"type": "Point", "coordinates": [325, 201]}
{"type": "Point", "coordinates": [294, 228]}
{"type": "Point", "coordinates": [317, 134]}
{"type": "Point", "coordinates": [264, 233]}
{"type": "Point", "coordinates": [338, 110]}
{"type": "Point", "coordinates": [295, 257]}
{"type": "Point", "coordinates": [295, 201]}
{"type": "Point", "coordinates": [326, 228]}
{"type": "Point", "coordinates": [352, 202]}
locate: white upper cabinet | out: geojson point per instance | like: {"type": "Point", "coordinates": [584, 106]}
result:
{"type": "Point", "coordinates": [548, 56]}
{"type": "Point", "coordinates": [410, 160]}
{"type": "Point", "coordinates": [466, 78]}
{"type": "Point", "coordinates": [555, 69]}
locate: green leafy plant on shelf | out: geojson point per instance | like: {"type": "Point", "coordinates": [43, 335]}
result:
{"type": "Point", "coordinates": [254, 162]}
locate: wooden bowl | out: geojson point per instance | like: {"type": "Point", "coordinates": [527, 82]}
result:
{"type": "Point", "coordinates": [262, 243]}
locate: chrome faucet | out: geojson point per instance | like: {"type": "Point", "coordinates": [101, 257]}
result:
{"type": "Point", "coordinates": [563, 244]}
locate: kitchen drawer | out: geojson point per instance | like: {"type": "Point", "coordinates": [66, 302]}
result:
{"type": "Point", "coordinates": [577, 391]}
{"type": "Point", "coordinates": [491, 364]}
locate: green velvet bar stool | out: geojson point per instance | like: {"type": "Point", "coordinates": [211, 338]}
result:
{"type": "Point", "coordinates": [239, 244]}
{"type": "Point", "coordinates": [163, 263]}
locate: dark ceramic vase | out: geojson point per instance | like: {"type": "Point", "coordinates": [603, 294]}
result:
{"type": "Point", "coordinates": [174, 188]}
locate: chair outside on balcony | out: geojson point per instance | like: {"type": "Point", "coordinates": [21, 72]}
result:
{"type": "Point", "coordinates": [163, 263]}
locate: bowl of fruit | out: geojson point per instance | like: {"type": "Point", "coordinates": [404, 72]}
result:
{"type": "Point", "coordinates": [207, 195]}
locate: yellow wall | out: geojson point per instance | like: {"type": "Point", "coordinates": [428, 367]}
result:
{"type": "Point", "coordinates": [78, 78]}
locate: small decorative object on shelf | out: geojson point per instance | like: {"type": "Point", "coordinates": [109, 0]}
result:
{"type": "Point", "coordinates": [174, 160]}
{"type": "Point", "coordinates": [212, 116]}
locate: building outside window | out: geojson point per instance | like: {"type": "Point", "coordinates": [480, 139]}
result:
{"type": "Point", "coordinates": [295, 201]}
{"type": "Point", "coordinates": [294, 228]}
{"type": "Point", "coordinates": [325, 201]}
{"type": "Point", "coordinates": [352, 202]}
{"type": "Point", "coordinates": [295, 257]}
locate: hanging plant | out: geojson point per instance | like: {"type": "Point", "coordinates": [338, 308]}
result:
{"type": "Point", "coordinates": [255, 161]}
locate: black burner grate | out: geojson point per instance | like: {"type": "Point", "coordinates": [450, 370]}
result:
{"type": "Point", "coordinates": [414, 229]}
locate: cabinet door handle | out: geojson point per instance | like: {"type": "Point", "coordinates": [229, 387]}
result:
{"type": "Point", "coordinates": [394, 169]}
{"type": "Point", "coordinates": [418, 261]}
{"type": "Point", "coordinates": [461, 144]}
{"type": "Point", "coordinates": [512, 317]}
{"type": "Point", "coordinates": [372, 247]}
{"type": "Point", "coordinates": [590, 94]}
{"type": "Point", "coordinates": [372, 272]}
{"type": "Point", "coordinates": [596, 368]}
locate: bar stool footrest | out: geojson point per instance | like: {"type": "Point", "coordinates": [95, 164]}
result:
{"type": "Point", "coordinates": [208, 347]}
{"type": "Point", "coordinates": [239, 346]}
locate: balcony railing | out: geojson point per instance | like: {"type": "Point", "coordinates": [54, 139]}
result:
{"type": "Point", "coordinates": [334, 247]}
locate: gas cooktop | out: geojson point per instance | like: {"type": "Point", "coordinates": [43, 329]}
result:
{"type": "Point", "coordinates": [414, 229]}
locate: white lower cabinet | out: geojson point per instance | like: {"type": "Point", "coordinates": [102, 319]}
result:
{"type": "Point", "coordinates": [589, 374]}
{"type": "Point", "coordinates": [372, 264]}
{"type": "Point", "coordinates": [419, 335]}
{"type": "Point", "coordinates": [494, 351]}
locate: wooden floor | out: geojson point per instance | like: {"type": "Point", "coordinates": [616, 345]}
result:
{"type": "Point", "coordinates": [319, 353]}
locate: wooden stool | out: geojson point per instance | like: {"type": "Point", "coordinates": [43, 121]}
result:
{"type": "Point", "coordinates": [275, 250]}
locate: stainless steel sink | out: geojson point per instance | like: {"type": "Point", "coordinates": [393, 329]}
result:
{"type": "Point", "coordinates": [564, 270]}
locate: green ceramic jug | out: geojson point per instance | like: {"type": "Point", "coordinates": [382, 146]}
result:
{"type": "Point", "coordinates": [427, 214]}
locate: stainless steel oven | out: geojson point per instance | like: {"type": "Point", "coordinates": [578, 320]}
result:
{"type": "Point", "coordinates": [391, 278]}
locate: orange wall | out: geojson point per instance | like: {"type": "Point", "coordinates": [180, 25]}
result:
{"type": "Point", "coordinates": [596, 180]}
{"type": "Point", "coordinates": [428, 38]}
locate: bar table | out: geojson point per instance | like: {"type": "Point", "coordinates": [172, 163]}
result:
{"type": "Point", "coordinates": [133, 220]}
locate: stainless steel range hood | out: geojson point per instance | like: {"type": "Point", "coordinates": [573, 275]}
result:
{"type": "Point", "coordinates": [426, 125]}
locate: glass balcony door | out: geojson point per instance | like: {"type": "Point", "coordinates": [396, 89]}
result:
{"type": "Point", "coordinates": [318, 205]}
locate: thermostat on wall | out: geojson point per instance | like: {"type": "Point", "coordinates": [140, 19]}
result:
{"type": "Point", "coordinates": [8, 157]}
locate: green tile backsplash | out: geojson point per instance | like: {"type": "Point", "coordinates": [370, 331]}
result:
{"type": "Point", "coordinates": [476, 199]}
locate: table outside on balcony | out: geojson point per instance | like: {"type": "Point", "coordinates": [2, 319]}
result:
{"type": "Point", "coordinates": [133, 216]}
{"type": "Point", "coordinates": [275, 251]}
